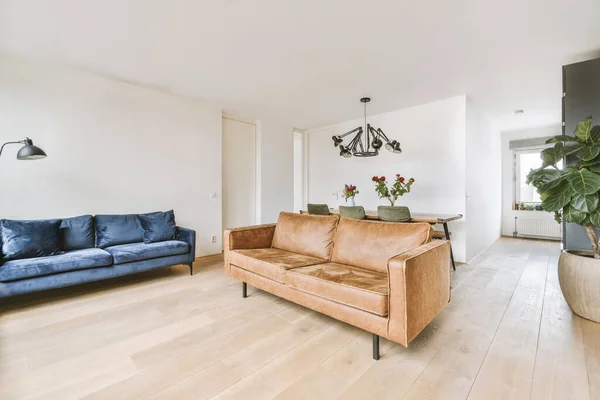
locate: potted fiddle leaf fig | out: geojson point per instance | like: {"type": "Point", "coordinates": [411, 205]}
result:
{"type": "Point", "coordinates": [572, 193]}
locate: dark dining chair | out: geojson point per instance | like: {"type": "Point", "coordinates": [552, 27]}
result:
{"type": "Point", "coordinates": [393, 214]}
{"type": "Point", "coordinates": [357, 212]}
{"type": "Point", "coordinates": [318, 209]}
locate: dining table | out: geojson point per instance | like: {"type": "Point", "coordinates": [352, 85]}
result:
{"type": "Point", "coordinates": [430, 218]}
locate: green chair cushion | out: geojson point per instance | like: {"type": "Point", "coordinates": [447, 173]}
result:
{"type": "Point", "coordinates": [318, 209]}
{"type": "Point", "coordinates": [357, 212]}
{"type": "Point", "coordinates": [393, 213]}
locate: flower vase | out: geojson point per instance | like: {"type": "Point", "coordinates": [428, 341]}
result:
{"type": "Point", "coordinates": [350, 201]}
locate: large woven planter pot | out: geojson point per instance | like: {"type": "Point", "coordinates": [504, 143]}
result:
{"type": "Point", "coordinates": [579, 277]}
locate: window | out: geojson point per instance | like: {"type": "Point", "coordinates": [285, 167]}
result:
{"type": "Point", "coordinates": [526, 196]}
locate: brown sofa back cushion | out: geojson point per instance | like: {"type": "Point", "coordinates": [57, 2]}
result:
{"type": "Point", "coordinates": [311, 235]}
{"type": "Point", "coordinates": [370, 244]}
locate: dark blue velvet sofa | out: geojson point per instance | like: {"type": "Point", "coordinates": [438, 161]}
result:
{"type": "Point", "coordinates": [89, 248]}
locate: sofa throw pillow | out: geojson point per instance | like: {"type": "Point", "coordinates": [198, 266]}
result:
{"type": "Point", "coordinates": [158, 226]}
{"type": "Point", "coordinates": [30, 239]}
{"type": "Point", "coordinates": [112, 230]}
{"type": "Point", "coordinates": [78, 233]}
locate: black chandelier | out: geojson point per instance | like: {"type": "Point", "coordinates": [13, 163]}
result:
{"type": "Point", "coordinates": [367, 141]}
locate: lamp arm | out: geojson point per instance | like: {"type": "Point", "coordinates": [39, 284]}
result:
{"type": "Point", "coordinates": [383, 135]}
{"type": "Point", "coordinates": [351, 132]}
{"type": "Point", "coordinates": [379, 132]}
{"type": "Point", "coordinates": [2, 148]}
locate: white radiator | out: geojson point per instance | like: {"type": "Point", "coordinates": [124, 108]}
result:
{"type": "Point", "coordinates": [533, 227]}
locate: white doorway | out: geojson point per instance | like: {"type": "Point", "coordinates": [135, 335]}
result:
{"type": "Point", "coordinates": [239, 173]}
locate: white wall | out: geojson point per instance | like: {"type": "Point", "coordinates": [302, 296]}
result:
{"type": "Point", "coordinates": [508, 214]}
{"type": "Point", "coordinates": [484, 182]}
{"type": "Point", "coordinates": [433, 152]}
{"type": "Point", "coordinates": [112, 148]}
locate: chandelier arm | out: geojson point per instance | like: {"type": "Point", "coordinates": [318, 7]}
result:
{"type": "Point", "coordinates": [359, 136]}
{"type": "Point", "coordinates": [350, 132]}
{"type": "Point", "coordinates": [373, 132]}
{"type": "Point", "coordinates": [379, 132]}
{"type": "Point", "coordinates": [354, 144]}
{"type": "Point", "coordinates": [383, 135]}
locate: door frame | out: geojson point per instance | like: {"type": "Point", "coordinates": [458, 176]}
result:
{"type": "Point", "coordinates": [256, 164]}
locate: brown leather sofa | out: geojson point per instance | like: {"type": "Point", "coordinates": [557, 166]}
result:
{"type": "Point", "coordinates": [387, 278]}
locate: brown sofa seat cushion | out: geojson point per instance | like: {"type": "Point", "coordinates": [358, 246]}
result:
{"type": "Point", "coordinates": [370, 244]}
{"type": "Point", "coordinates": [355, 287]}
{"type": "Point", "coordinates": [270, 263]}
{"type": "Point", "coordinates": [311, 235]}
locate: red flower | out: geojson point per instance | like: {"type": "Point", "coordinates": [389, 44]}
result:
{"type": "Point", "coordinates": [401, 179]}
{"type": "Point", "coordinates": [397, 175]}
{"type": "Point", "coordinates": [411, 180]}
{"type": "Point", "coordinates": [382, 179]}
{"type": "Point", "coordinates": [375, 179]}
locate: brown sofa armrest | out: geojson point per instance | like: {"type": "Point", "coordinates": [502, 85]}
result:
{"type": "Point", "coordinates": [419, 288]}
{"type": "Point", "coordinates": [250, 237]}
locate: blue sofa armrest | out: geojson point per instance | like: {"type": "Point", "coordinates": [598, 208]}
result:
{"type": "Point", "coordinates": [188, 236]}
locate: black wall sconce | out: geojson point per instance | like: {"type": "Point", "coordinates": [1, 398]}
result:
{"type": "Point", "coordinates": [28, 151]}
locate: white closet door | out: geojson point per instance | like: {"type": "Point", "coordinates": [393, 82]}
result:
{"type": "Point", "coordinates": [239, 173]}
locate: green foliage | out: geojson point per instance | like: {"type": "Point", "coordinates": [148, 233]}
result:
{"type": "Point", "coordinates": [399, 187]}
{"type": "Point", "coordinates": [571, 193]}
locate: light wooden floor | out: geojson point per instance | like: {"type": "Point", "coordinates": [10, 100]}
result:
{"type": "Point", "coordinates": [507, 334]}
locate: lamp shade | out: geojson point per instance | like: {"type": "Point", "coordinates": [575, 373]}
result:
{"type": "Point", "coordinates": [30, 152]}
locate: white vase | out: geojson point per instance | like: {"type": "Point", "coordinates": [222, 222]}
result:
{"type": "Point", "coordinates": [350, 201]}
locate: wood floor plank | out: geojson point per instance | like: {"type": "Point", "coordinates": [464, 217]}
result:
{"type": "Point", "coordinates": [229, 319]}
{"type": "Point", "coordinates": [275, 377]}
{"type": "Point", "coordinates": [221, 375]}
{"type": "Point", "coordinates": [591, 343]}
{"type": "Point", "coordinates": [343, 368]}
{"type": "Point", "coordinates": [507, 371]}
{"type": "Point", "coordinates": [560, 367]}
{"type": "Point", "coordinates": [453, 369]}
{"type": "Point", "coordinates": [173, 370]}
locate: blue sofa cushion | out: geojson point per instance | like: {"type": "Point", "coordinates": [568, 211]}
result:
{"type": "Point", "coordinates": [28, 239]}
{"type": "Point", "coordinates": [78, 233]}
{"type": "Point", "coordinates": [126, 253]}
{"type": "Point", "coordinates": [73, 260]}
{"type": "Point", "coordinates": [112, 230]}
{"type": "Point", "coordinates": [158, 226]}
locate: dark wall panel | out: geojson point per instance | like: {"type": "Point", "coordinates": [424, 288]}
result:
{"type": "Point", "coordinates": [581, 83]}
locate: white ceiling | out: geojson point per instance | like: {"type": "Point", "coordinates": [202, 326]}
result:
{"type": "Point", "coordinates": [309, 61]}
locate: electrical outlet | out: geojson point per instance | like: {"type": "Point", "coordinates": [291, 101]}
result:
{"type": "Point", "coordinates": [214, 238]}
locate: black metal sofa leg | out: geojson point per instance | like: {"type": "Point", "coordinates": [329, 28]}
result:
{"type": "Point", "coordinates": [375, 347]}
{"type": "Point", "coordinates": [244, 290]}
{"type": "Point", "coordinates": [191, 268]}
